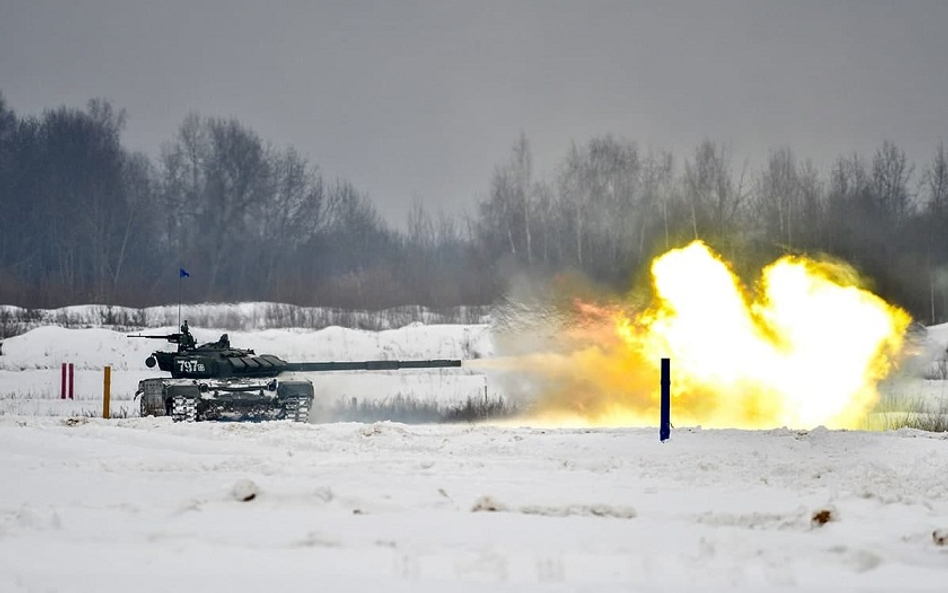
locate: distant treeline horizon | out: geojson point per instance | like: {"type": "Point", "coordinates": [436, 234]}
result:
{"type": "Point", "coordinates": [85, 220]}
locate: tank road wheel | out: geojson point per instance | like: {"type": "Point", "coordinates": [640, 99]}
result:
{"type": "Point", "coordinates": [296, 409]}
{"type": "Point", "coordinates": [183, 409]}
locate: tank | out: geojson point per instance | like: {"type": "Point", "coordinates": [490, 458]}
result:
{"type": "Point", "coordinates": [215, 381]}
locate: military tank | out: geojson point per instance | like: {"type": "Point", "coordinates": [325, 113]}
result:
{"type": "Point", "coordinates": [215, 381]}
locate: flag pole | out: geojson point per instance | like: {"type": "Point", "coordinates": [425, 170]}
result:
{"type": "Point", "coordinates": [182, 274]}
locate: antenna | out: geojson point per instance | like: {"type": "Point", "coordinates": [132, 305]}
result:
{"type": "Point", "coordinates": [182, 274]}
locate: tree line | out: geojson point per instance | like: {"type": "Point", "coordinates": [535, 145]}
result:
{"type": "Point", "coordinates": [611, 207]}
{"type": "Point", "coordinates": [84, 220]}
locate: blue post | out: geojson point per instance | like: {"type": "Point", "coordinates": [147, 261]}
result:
{"type": "Point", "coordinates": [664, 431]}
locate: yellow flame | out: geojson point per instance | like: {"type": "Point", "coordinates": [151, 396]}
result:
{"type": "Point", "coordinates": [806, 348]}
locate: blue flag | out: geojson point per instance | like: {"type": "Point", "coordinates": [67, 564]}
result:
{"type": "Point", "coordinates": [182, 273]}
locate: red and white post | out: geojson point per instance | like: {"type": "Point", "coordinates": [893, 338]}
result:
{"type": "Point", "coordinates": [67, 381]}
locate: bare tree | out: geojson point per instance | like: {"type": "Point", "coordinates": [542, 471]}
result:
{"type": "Point", "coordinates": [136, 236]}
{"type": "Point", "coordinates": [421, 232]}
{"type": "Point", "coordinates": [616, 166]}
{"type": "Point", "coordinates": [184, 180]}
{"type": "Point", "coordinates": [8, 123]}
{"type": "Point", "coordinates": [522, 173]}
{"type": "Point", "coordinates": [812, 205]}
{"type": "Point", "coordinates": [657, 182]}
{"type": "Point", "coordinates": [218, 176]}
{"type": "Point", "coordinates": [891, 173]}
{"type": "Point", "coordinates": [779, 195]}
{"type": "Point", "coordinates": [934, 190]}
{"type": "Point", "coordinates": [291, 213]}
{"type": "Point", "coordinates": [710, 191]}
{"type": "Point", "coordinates": [546, 219]}
{"type": "Point", "coordinates": [935, 184]}
{"type": "Point", "coordinates": [575, 198]}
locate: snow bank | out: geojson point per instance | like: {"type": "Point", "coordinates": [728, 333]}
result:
{"type": "Point", "coordinates": [245, 316]}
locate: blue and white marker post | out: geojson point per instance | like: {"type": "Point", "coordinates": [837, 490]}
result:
{"type": "Point", "coordinates": [664, 431]}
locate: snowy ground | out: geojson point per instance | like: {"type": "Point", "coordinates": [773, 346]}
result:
{"type": "Point", "coordinates": [147, 505]}
{"type": "Point", "coordinates": [143, 504]}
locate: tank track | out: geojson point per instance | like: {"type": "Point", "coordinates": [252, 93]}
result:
{"type": "Point", "coordinates": [183, 409]}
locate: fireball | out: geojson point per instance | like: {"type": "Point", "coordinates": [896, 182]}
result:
{"type": "Point", "coordinates": [806, 346]}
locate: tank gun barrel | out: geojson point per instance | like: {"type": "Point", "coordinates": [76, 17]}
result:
{"type": "Point", "coordinates": [371, 365]}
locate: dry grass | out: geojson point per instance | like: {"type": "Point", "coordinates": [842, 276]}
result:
{"type": "Point", "coordinates": [409, 410]}
{"type": "Point", "coordinates": [901, 410]}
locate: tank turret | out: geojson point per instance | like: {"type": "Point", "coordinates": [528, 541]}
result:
{"type": "Point", "coordinates": [214, 381]}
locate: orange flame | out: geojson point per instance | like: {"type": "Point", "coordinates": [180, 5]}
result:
{"type": "Point", "coordinates": [806, 348]}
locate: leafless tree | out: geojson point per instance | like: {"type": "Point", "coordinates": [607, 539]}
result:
{"type": "Point", "coordinates": [935, 184]}
{"type": "Point", "coordinates": [891, 174]}
{"type": "Point", "coordinates": [291, 213]}
{"type": "Point", "coordinates": [712, 195]}
{"type": "Point", "coordinates": [779, 195]}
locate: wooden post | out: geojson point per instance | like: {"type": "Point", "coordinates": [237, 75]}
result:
{"type": "Point", "coordinates": [106, 391]}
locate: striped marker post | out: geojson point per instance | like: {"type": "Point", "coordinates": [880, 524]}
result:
{"type": "Point", "coordinates": [67, 381]}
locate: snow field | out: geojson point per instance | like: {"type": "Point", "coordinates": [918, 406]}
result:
{"type": "Point", "coordinates": [144, 504]}
{"type": "Point", "coordinates": [148, 505]}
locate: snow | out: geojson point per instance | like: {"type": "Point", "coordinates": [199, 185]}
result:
{"type": "Point", "coordinates": [30, 364]}
{"type": "Point", "coordinates": [246, 316]}
{"type": "Point", "coordinates": [144, 504]}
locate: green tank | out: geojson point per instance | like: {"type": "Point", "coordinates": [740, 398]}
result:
{"type": "Point", "coordinates": [215, 381]}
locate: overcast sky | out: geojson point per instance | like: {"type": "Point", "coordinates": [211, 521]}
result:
{"type": "Point", "coordinates": [422, 99]}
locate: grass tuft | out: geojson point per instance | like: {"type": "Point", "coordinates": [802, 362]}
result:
{"type": "Point", "coordinates": [896, 411]}
{"type": "Point", "coordinates": [409, 410]}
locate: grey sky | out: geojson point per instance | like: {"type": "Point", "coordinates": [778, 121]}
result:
{"type": "Point", "coordinates": [422, 99]}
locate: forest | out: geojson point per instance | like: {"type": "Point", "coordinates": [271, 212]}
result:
{"type": "Point", "coordinates": [84, 220]}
